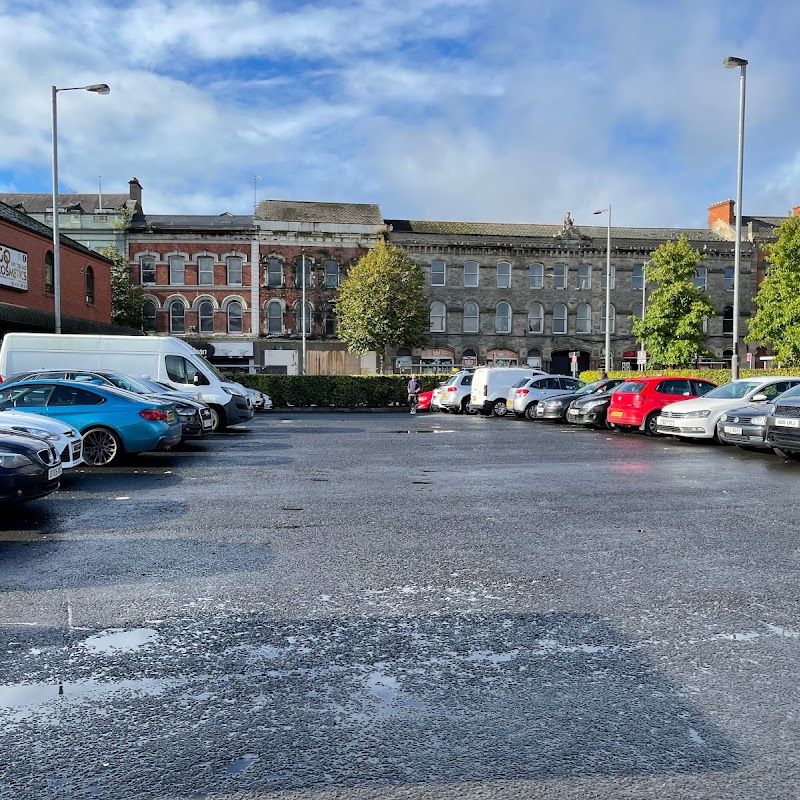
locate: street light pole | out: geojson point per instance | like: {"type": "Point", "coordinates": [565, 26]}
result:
{"type": "Point", "coordinates": [303, 317]}
{"type": "Point", "coordinates": [607, 363]}
{"type": "Point", "coordinates": [643, 351]}
{"type": "Point", "coordinates": [97, 88]}
{"type": "Point", "coordinates": [730, 63]}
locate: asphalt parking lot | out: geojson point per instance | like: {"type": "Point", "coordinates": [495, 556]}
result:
{"type": "Point", "coordinates": [332, 605]}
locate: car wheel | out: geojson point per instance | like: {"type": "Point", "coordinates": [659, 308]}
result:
{"type": "Point", "coordinates": [530, 412]}
{"type": "Point", "coordinates": [218, 419]}
{"type": "Point", "coordinates": [465, 409]}
{"type": "Point", "coordinates": [650, 425]}
{"type": "Point", "coordinates": [101, 447]}
{"type": "Point", "coordinates": [609, 426]}
{"type": "Point", "coordinates": [499, 408]}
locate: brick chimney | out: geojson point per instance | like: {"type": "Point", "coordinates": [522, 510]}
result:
{"type": "Point", "coordinates": [135, 192]}
{"type": "Point", "coordinates": [722, 212]}
{"type": "Point", "coordinates": [796, 211]}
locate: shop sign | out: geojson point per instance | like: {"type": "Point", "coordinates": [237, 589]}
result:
{"type": "Point", "coordinates": [13, 268]}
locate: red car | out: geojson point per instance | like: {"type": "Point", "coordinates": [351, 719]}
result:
{"type": "Point", "coordinates": [636, 403]}
{"type": "Point", "coordinates": [424, 401]}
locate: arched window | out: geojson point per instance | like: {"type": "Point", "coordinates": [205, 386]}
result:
{"type": "Point", "coordinates": [637, 277]}
{"type": "Point", "coordinates": [275, 317]}
{"type": "Point", "coordinates": [536, 318]}
{"type": "Point", "coordinates": [330, 320]}
{"type": "Point", "coordinates": [331, 274]}
{"type": "Point", "coordinates": [471, 273]}
{"type": "Point", "coordinates": [177, 317]}
{"type": "Point", "coordinates": [438, 272]}
{"type": "Point", "coordinates": [536, 276]}
{"type": "Point", "coordinates": [559, 319]}
{"type": "Point", "coordinates": [438, 317]}
{"type": "Point", "coordinates": [701, 278]}
{"type": "Point", "coordinates": [90, 286]}
{"type": "Point", "coordinates": [234, 317]}
{"type": "Point", "coordinates": [298, 314]}
{"type": "Point", "coordinates": [727, 319]}
{"type": "Point", "coordinates": [534, 357]}
{"type": "Point", "coordinates": [728, 279]}
{"type": "Point", "coordinates": [612, 318]}
{"type": "Point", "coordinates": [274, 272]}
{"type": "Point", "coordinates": [583, 318]}
{"type": "Point", "coordinates": [149, 314]}
{"type": "Point", "coordinates": [234, 264]}
{"type": "Point", "coordinates": [472, 322]}
{"type": "Point", "coordinates": [49, 274]}
{"type": "Point", "coordinates": [469, 354]}
{"type": "Point", "coordinates": [503, 275]}
{"type": "Point", "coordinates": [502, 317]}
{"type": "Point", "coordinates": [205, 316]}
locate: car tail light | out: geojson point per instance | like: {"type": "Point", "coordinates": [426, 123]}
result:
{"type": "Point", "coordinates": [152, 414]}
{"type": "Point", "coordinates": [452, 388]}
{"type": "Point", "coordinates": [637, 400]}
{"type": "Point", "coordinates": [522, 392]}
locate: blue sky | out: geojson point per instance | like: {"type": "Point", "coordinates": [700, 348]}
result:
{"type": "Point", "coordinates": [492, 110]}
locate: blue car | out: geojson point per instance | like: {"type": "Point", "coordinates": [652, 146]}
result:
{"type": "Point", "coordinates": [111, 421]}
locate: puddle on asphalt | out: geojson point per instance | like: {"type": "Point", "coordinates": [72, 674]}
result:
{"type": "Point", "coordinates": [120, 641]}
{"type": "Point", "coordinates": [423, 430]}
{"type": "Point", "coordinates": [241, 764]}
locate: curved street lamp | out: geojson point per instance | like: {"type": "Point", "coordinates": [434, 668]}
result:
{"type": "Point", "coordinates": [607, 362]}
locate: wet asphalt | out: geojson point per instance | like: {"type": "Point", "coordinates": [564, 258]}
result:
{"type": "Point", "coordinates": [335, 605]}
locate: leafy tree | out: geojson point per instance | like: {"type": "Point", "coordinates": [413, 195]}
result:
{"type": "Point", "coordinates": [381, 303]}
{"type": "Point", "coordinates": [777, 319]}
{"type": "Point", "coordinates": [672, 329]}
{"type": "Point", "coordinates": [127, 307]}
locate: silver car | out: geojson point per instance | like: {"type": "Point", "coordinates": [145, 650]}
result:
{"type": "Point", "coordinates": [454, 395]}
{"type": "Point", "coordinates": [526, 393]}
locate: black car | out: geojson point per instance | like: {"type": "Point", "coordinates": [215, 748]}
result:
{"type": "Point", "coordinates": [586, 406]}
{"type": "Point", "coordinates": [30, 467]}
{"type": "Point", "coordinates": [745, 427]}
{"type": "Point", "coordinates": [782, 431]}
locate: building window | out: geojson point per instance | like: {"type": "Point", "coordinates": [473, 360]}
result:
{"type": "Point", "coordinates": [234, 317]}
{"type": "Point", "coordinates": [583, 319]}
{"type": "Point", "coordinates": [177, 270]}
{"type": "Point", "coordinates": [234, 268]}
{"type": "Point", "coordinates": [560, 276]}
{"type": "Point", "coordinates": [330, 319]}
{"type": "Point", "coordinates": [331, 274]}
{"type": "Point", "coordinates": [438, 317]}
{"type": "Point", "coordinates": [502, 317]}
{"type": "Point", "coordinates": [534, 358]}
{"type": "Point", "coordinates": [536, 276]}
{"type": "Point", "coordinates": [298, 271]}
{"type": "Point", "coordinates": [471, 273]}
{"type": "Point", "coordinates": [705, 323]}
{"type": "Point", "coordinates": [536, 318]}
{"type": "Point", "coordinates": [205, 316]}
{"type": "Point", "coordinates": [637, 277]}
{"type": "Point", "coordinates": [559, 319]}
{"type": "Point", "coordinates": [149, 314]}
{"type": "Point", "coordinates": [275, 317]}
{"type": "Point", "coordinates": [437, 272]}
{"type": "Point", "coordinates": [701, 278]}
{"type": "Point", "coordinates": [584, 277]}
{"type": "Point", "coordinates": [503, 275]}
{"type": "Point", "coordinates": [727, 319]}
{"type": "Point", "coordinates": [298, 314]}
{"type": "Point", "coordinates": [90, 286]}
{"type": "Point", "coordinates": [147, 269]}
{"type": "Point", "coordinates": [177, 317]}
{"type": "Point", "coordinates": [274, 272]}
{"type": "Point", "coordinates": [49, 273]}
{"type": "Point", "coordinates": [728, 279]}
{"type": "Point", "coordinates": [472, 321]}
{"type": "Point", "coordinates": [636, 311]}
{"type": "Point", "coordinates": [612, 318]}
{"type": "Point", "coordinates": [205, 270]}
{"type": "Point", "coordinates": [613, 277]}
{"type": "Point", "coordinates": [469, 356]}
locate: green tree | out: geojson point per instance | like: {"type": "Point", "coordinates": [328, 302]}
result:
{"type": "Point", "coordinates": [127, 306]}
{"type": "Point", "coordinates": [672, 329]}
{"type": "Point", "coordinates": [777, 319]}
{"type": "Point", "coordinates": [381, 303]}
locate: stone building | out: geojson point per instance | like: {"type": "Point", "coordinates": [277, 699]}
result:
{"type": "Point", "coordinates": [535, 294]}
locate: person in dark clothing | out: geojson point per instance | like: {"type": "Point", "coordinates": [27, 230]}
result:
{"type": "Point", "coordinates": [413, 392]}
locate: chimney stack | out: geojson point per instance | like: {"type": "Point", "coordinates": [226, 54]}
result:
{"type": "Point", "coordinates": [796, 211]}
{"type": "Point", "coordinates": [135, 192]}
{"type": "Point", "coordinates": [722, 212]}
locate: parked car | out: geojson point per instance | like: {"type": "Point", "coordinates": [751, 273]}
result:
{"type": "Point", "coordinates": [261, 401]}
{"type": "Point", "coordinates": [456, 392]}
{"type": "Point", "coordinates": [490, 386]}
{"type": "Point", "coordinates": [111, 421]}
{"type": "Point", "coordinates": [556, 407]}
{"type": "Point", "coordinates": [745, 427]}
{"type": "Point", "coordinates": [697, 419]}
{"type": "Point", "coordinates": [424, 400]}
{"type": "Point", "coordinates": [637, 402]}
{"type": "Point", "coordinates": [29, 467]}
{"type": "Point", "coordinates": [782, 430]}
{"type": "Point", "coordinates": [525, 394]}
{"type": "Point", "coordinates": [67, 441]}
{"type": "Point", "coordinates": [436, 397]}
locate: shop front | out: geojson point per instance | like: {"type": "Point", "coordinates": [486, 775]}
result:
{"type": "Point", "coordinates": [226, 356]}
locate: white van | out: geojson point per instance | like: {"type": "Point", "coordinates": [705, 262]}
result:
{"type": "Point", "coordinates": [162, 358]}
{"type": "Point", "coordinates": [490, 387]}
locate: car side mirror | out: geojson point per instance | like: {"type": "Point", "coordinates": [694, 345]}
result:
{"type": "Point", "coordinates": [196, 379]}
{"type": "Point", "coordinates": [759, 398]}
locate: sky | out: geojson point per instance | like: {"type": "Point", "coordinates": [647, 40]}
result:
{"type": "Point", "coordinates": [473, 110]}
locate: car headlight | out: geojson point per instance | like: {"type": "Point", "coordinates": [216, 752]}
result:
{"type": "Point", "coordinates": [697, 414]}
{"type": "Point", "coordinates": [553, 404]}
{"type": "Point", "coordinates": [759, 422]}
{"type": "Point", "coordinates": [593, 404]}
{"type": "Point", "coordinates": [40, 432]}
{"type": "Point", "coordinates": [13, 460]}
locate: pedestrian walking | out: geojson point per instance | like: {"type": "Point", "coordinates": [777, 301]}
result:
{"type": "Point", "coordinates": [413, 393]}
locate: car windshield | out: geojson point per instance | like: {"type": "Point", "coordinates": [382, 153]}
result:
{"type": "Point", "coordinates": [127, 383]}
{"type": "Point", "coordinates": [590, 388]}
{"type": "Point", "coordinates": [733, 391]}
{"type": "Point", "coordinates": [631, 387]}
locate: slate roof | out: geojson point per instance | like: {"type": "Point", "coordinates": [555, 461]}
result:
{"type": "Point", "coordinates": [22, 220]}
{"type": "Point", "coordinates": [762, 224]}
{"type": "Point", "coordinates": [337, 213]}
{"type": "Point", "coordinates": [42, 203]}
{"type": "Point", "coordinates": [192, 221]}
{"type": "Point", "coordinates": [502, 229]}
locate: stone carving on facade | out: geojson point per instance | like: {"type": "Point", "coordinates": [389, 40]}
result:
{"type": "Point", "coordinates": [569, 230]}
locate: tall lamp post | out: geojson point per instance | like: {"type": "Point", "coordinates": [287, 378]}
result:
{"type": "Point", "coordinates": [97, 88]}
{"type": "Point", "coordinates": [607, 363]}
{"type": "Point", "coordinates": [730, 63]}
{"type": "Point", "coordinates": [303, 316]}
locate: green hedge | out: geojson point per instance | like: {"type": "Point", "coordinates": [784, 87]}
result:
{"type": "Point", "coordinates": [336, 391]}
{"type": "Point", "coordinates": [719, 376]}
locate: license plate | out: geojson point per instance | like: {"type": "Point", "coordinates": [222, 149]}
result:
{"type": "Point", "coordinates": [53, 472]}
{"type": "Point", "coordinates": [787, 423]}
{"type": "Point", "coordinates": [208, 424]}
{"type": "Point", "coordinates": [509, 404]}
{"type": "Point", "coordinates": [616, 414]}
{"type": "Point", "coordinates": [663, 421]}
{"type": "Point", "coordinates": [732, 430]}
{"type": "Point", "coordinates": [170, 416]}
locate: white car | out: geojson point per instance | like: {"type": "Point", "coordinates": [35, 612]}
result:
{"type": "Point", "coordinates": [67, 441]}
{"type": "Point", "coordinates": [524, 395]}
{"type": "Point", "coordinates": [697, 418]}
